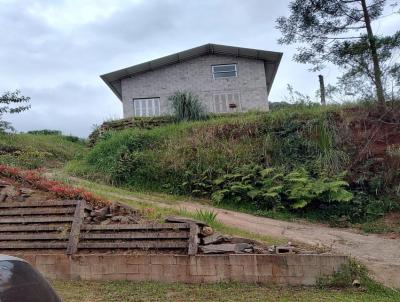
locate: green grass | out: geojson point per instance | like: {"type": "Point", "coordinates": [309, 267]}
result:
{"type": "Point", "coordinates": [124, 291]}
{"type": "Point", "coordinates": [37, 150]}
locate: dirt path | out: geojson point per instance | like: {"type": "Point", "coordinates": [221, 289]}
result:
{"type": "Point", "coordinates": [381, 255]}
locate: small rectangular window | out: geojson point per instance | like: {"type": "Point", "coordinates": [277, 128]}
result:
{"type": "Point", "coordinates": [224, 71]}
{"type": "Point", "coordinates": [146, 107]}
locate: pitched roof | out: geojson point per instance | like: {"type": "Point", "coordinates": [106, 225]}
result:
{"type": "Point", "coordinates": [270, 58]}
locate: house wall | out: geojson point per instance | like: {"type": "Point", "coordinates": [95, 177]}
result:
{"type": "Point", "coordinates": [196, 76]}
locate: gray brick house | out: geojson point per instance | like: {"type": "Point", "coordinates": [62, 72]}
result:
{"type": "Point", "coordinates": [225, 78]}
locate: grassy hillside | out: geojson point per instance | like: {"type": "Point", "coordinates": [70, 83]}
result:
{"type": "Point", "coordinates": [335, 163]}
{"type": "Point", "coordinates": [38, 150]}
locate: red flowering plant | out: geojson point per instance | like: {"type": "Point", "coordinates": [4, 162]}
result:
{"type": "Point", "coordinates": [36, 179]}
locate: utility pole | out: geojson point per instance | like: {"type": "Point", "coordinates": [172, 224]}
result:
{"type": "Point", "coordinates": [322, 89]}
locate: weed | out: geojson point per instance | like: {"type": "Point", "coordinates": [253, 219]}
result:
{"type": "Point", "coordinates": [207, 216]}
{"type": "Point", "coordinates": [352, 273]}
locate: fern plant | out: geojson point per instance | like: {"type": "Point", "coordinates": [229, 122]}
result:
{"type": "Point", "coordinates": [271, 188]}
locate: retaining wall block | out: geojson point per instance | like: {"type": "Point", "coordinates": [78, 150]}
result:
{"type": "Point", "coordinates": [268, 269]}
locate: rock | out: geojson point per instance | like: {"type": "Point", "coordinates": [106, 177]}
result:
{"type": "Point", "coordinates": [356, 283]}
{"type": "Point", "coordinates": [87, 220]}
{"type": "Point", "coordinates": [206, 231]}
{"type": "Point", "coordinates": [260, 250]}
{"type": "Point", "coordinates": [119, 209]}
{"type": "Point", "coordinates": [26, 191]}
{"type": "Point", "coordinates": [10, 193]}
{"type": "Point", "coordinates": [3, 184]}
{"type": "Point", "coordinates": [101, 212]}
{"type": "Point", "coordinates": [21, 198]}
{"type": "Point", "coordinates": [105, 222]}
{"type": "Point", "coordinates": [125, 220]}
{"type": "Point", "coordinates": [179, 219]}
{"type": "Point", "coordinates": [216, 238]}
{"type": "Point", "coordinates": [121, 219]}
{"type": "Point", "coordinates": [134, 219]}
{"type": "Point", "coordinates": [237, 248]}
{"type": "Point", "coordinates": [243, 240]}
{"type": "Point", "coordinates": [98, 219]}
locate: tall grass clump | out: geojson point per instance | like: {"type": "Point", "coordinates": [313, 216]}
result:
{"type": "Point", "coordinates": [207, 216]}
{"type": "Point", "coordinates": [187, 107]}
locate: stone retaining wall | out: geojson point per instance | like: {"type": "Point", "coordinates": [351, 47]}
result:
{"type": "Point", "coordinates": [272, 269]}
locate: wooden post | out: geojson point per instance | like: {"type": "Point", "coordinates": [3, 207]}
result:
{"type": "Point", "coordinates": [193, 239]}
{"type": "Point", "coordinates": [322, 89]}
{"type": "Point", "coordinates": [73, 240]}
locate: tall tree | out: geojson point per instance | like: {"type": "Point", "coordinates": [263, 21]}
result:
{"type": "Point", "coordinates": [326, 26]}
{"type": "Point", "coordinates": [357, 62]}
{"type": "Point", "coordinates": [12, 102]}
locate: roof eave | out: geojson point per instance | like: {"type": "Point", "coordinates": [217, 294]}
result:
{"type": "Point", "coordinates": [113, 89]}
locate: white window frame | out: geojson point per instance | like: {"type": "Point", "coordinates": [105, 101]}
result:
{"type": "Point", "coordinates": [232, 64]}
{"type": "Point", "coordinates": [146, 107]}
{"type": "Point", "coordinates": [223, 102]}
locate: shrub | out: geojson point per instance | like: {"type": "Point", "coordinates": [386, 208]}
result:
{"type": "Point", "coordinates": [269, 188]}
{"type": "Point", "coordinates": [45, 132]}
{"type": "Point", "coordinates": [187, 107]}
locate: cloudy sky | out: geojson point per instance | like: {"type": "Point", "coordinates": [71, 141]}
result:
{"type": "Point", "coordinates": [55, 50]}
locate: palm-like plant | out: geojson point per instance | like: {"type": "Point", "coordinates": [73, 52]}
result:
{"type": "Point", "coordinates": [186, 106]}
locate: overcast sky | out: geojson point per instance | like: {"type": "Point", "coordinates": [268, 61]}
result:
{"type": "Point", "coordinates": [54, 50]}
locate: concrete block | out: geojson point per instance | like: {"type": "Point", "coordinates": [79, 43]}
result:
{"type": "Point", "coordinates": [182, 259]}
{"type": "Point", "coordinates": [138, 259]}
{"type": "Point", "coordinates": [131, 269]}
{"type": "Point", "coordinates": [162, 259]}
{"type": "Point", "coordinates": [270, 259]}
{"type": "Point", "coordinates": [144, 269]}
{"type": "Point", "coordinates": [45, 259]}
{"type": "Point", "coordinates": [137, 277]}
{"type": "Point", "coordinates": [245, 260]}
{"type": "Point", "coordinates": [114, 277]}
{"type": "Point", "coordinates": [223, 270]}
{"type": "Point", "coordinates": [294, 271]}
{"type": "Point", "coordinates": [264, 269]}
{"type": "Point", "coordinates": [173, 272]}
{"type": "Point", "coordinates": [213, 260]}
{"type": "Point", "coordinates": [237, 270]}
{"type": "Point", "coordinates": [206, 270]}
{"type": "Point", "coordinates": [157, 272]}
